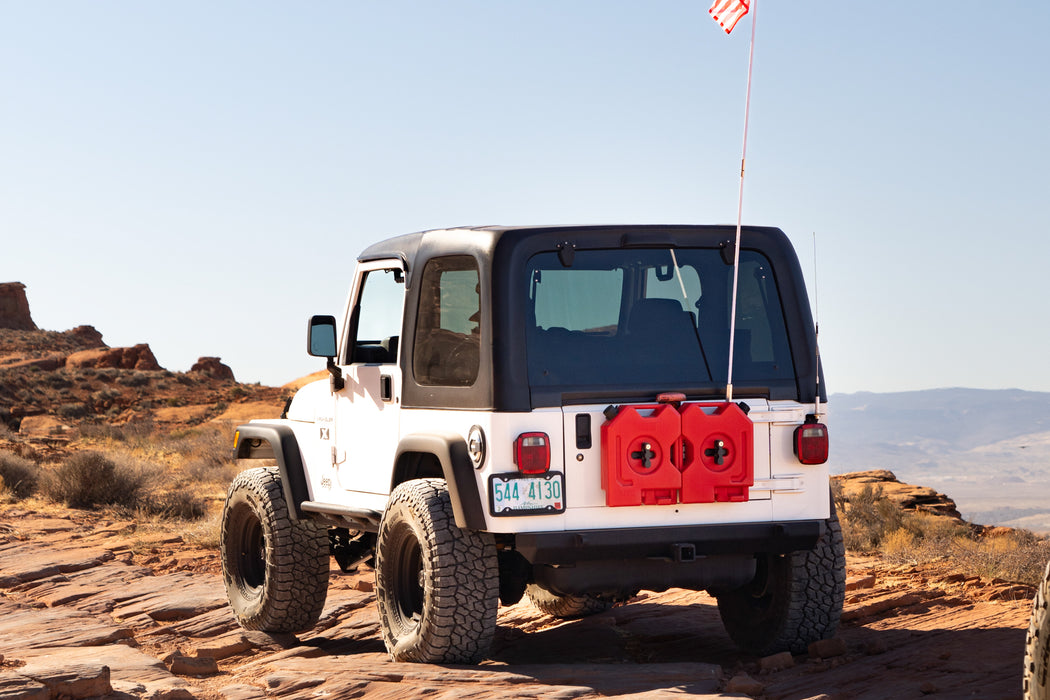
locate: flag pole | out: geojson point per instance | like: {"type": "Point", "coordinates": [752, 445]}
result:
{"type": "Point", "coordinates": [740, 202]}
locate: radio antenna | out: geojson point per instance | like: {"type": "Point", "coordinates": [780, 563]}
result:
{"type": "Point", "coordinates": [816, 328]}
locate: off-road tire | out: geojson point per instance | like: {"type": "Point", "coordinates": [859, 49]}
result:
{"type": "Point", "coordinates": [275, 569]}
{"type": "Point", "coordinates": [796, 599]}
{"type": "Point", "coordinates": [1037, 644]}
{"type": "Point", "coordinates": [566, 607]}
{"type": "Point", "coordinates": [437, 585]}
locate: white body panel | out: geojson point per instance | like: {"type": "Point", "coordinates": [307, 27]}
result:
{"type": "Point", "coordinates": [349, 441]}
{"type": "Point", "coordinates": [784, 489]}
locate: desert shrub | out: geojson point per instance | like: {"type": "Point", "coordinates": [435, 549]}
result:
{"type": "Point", "coordinates": [58, 380]}
{"type": "Point", "coordinates": [867, 518]}
{"type": "Point", "coordinates": [208, 451]}
{"type": "Point", "coordinates": [1018, 556]}
{"type": "Point", "coordinates": [103, 399]}
{"type": "Point", "coordinates": [72, 411]}
{"type": "Point", "coordinates": [134, 379]}
{"type": "Point", "coordinates": [90, 479]}
{"type": "Point", "coordinates": [179, 504]}
{"type": "Point", "coordinates": [133, 431]}
{"type": "Point", "coordinates": [20, 476]}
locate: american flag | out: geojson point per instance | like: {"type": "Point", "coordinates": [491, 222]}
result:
{"type": "Point", "coordinates": [728, 12]}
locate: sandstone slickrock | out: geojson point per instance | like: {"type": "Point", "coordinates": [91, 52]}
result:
{"type": "Point", "coordinates": [14, 686]}
{"type": "Point", "coordinates": [776, 662]}
{"type": "Point", "coordinates": [745, 684]}
{"type": "Point", "coordinates": [77, 591]}
{"type": "Point", "coordinates": [66, 680]}
{"type": "Point", "coordinates": [827, 648]}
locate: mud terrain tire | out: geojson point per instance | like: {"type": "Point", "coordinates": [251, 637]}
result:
{"type": "Point", "coordinates": [437, 585]}
{"type": "Point", "coordinates": [795, 600]}
{"type": "Point", "coordinates": [1037, 644]}
{"type": "Point", "coordinates": [566, 607]}
{"type": "Point", "coordinates": [275, 569]}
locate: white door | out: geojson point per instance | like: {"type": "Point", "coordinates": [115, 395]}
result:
{"type": "Point", "coordinates": [367, 408]}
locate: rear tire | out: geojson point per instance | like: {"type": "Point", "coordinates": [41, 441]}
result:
{"type": "Point", "coordinates": [566, 607]}
{"type": "Point", "coordinates": [275, 569]}
{"type": "Point", "coordinates": [1037, 644]}
{"type": "Point", "coordinates": [437, 585]}
{"type": "Point", "coordinates": [796, 599]}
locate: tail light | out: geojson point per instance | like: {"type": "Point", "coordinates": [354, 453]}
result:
{"type": "Point", "coordinates": [532, 453]}
{"type": "Point", "coordinates": [811, 443]}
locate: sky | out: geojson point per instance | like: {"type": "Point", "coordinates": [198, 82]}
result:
{"type": "Point", "coordinates": [201, 176]}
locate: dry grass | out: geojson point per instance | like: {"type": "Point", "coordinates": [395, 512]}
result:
{"type": "Point", "coordinates": [872, 524]}
{"type": "Point", "coordinates": [19, 476]}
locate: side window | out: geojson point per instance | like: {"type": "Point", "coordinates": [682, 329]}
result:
{"type": "Point", "coordinates": [378, 315]}
{"type": "Point", "coordinates": [448, 325]}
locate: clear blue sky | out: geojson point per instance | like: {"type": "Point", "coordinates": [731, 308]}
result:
{"type": "Point", "coordinates": [201, 175]}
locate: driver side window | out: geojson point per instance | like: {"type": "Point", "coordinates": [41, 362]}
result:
{"type": "Point", "coordinates": [378, 317]}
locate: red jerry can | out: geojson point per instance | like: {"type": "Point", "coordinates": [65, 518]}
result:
{"type": "Point", "coordinates": [638, 462]}
{"type": "Point", "coordinates": [719, 462]}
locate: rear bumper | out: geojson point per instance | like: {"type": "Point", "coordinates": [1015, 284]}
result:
{"type": "Point", "coordinates": [676, 544]}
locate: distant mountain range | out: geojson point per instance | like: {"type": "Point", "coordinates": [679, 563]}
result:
{"type": "Point", "coordinates": [987, 449]}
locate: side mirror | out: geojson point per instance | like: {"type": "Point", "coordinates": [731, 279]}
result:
{"type": "Point", "coordinates": [321, 341]}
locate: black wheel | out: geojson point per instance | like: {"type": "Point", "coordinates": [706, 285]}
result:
{"type": "Point", "coordinates": [437, 585]}
{"type": "Point", "coordinates": [275, 569]}
{"type": "Point", "coordinates": [795, 600]}
{"type": "Point", "coordinates": [565, 606]}
{"type": "Point", "coordinates": [1037, 645]}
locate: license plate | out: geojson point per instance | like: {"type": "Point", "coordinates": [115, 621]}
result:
{"type": "Point", "coordinates": [519, 494]}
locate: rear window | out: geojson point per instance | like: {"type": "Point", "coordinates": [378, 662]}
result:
{"type": "Point", "coordinates": [653, 318]}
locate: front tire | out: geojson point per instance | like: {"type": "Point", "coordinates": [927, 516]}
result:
{"type": "Point", "coordinates": [796, 599]}
{"type": "Point", "coordinates": [1037, 644]}
{"type": "Point", "coordinates": [437, 585]}
{"type": "Point", "coordinates": [275, 569]}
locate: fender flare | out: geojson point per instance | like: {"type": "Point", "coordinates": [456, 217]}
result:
{"type": "Point", "coordinates": [278, 442]}
{"type": "Point", "coordinates": [450, 449]}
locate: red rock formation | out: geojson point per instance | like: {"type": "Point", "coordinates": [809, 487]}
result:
{"type": "Point", "coordinates": [212, 367]}
{"type": "Point", "coordinates": [87, 336]}
{"type": "Point", "coordinates": [14, 307]}
{"type": "Point", "coordinates": [136, 357]}
{"type": "Point", "coordinates": [909, 497]}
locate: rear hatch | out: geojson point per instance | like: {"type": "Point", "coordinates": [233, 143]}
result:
{"type": "Point", "coordinates": [616, 329]}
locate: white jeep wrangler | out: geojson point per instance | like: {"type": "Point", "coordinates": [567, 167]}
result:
{"type": "Point", "coordinates": [542, 412]}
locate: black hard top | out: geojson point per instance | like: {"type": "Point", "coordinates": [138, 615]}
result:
{"type": "Point", "coordinates": [502, 253]}
{"type": "Point", "coordinates": [486, 240]}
